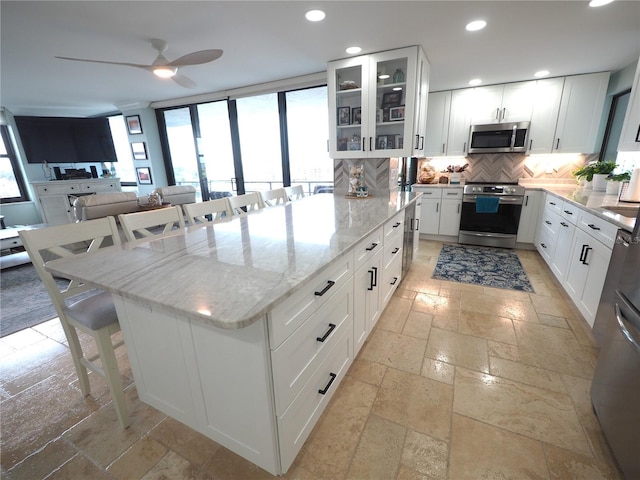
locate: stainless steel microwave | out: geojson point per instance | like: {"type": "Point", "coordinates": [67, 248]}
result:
{"type": "Point", "coordinates": [499, 137]}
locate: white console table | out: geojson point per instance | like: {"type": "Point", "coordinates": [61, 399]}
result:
{"type": "Point", "coordinates": [56, 197]}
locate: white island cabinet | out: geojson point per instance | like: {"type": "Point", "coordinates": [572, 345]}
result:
{"type": "Point", "coordinates": [245, 329]}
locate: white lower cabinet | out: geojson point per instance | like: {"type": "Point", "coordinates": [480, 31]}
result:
{"type": "Point", "coordinates": [366, 298]}
{"type": "Point", "coordinates": [529, 216]}
{"type": "Point", "coordinates": [450, 212]}
{"type": "Point", "coordinates": [440, 210]}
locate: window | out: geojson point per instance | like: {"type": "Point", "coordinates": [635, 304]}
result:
{"type": "Point", "coordinates": [125, 168]}
{"type": "Point", "coordinates": [215, 148]}
{"type": "Point", "coordinates": [12, 188]}
{"type": "Point", "coordinates": [182, 148]}
{"type": "Point", "coordinates": [259, 130]}
{"type": "Point", "coordinates": [308, 133]}
{"type": "Point", "coordinates": [619, 103]}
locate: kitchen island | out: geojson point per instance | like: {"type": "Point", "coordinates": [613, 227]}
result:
{"type": "Point", "coordinates": [244, 329]}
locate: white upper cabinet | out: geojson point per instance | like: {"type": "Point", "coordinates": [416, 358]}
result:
{"type": "Point", "coordinates": [438, 111]}
{"type": "Point", "coordinates": [377, 104]}
{"type": "Point", "coordinates": [503, 103]}
{"type": "Point", "coordinates": [580, 113]}
{"type": "Point", "coordinates": [630, 136]}
{"type": "Point", "coordinates": [544, 117]}
{"type": "Point", "coordinates": [459, 122]}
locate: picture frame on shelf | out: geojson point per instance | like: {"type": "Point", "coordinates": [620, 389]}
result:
{"type": "Point", "coordinates": [396, 114]}
{"type": "Point", "coordinates": [134, 126]}
{"type": "Point", "coordinates": [139, 150]}
{"type": "Point", "coordinates": [400, 142]}
{"type": "Point", "coordinates": [342, 144]}
{"type": "Point", "coordinates": [356, 115]}
{"type": "Point", "coordinates": [353, 146]}
{"type": "Point", "coordinates": [391, 142]}
{"type": "Point", "coordinates": [381, 142]}
{"type": "Point", "coordinates": [392, 99]}
{"type": "Point", "coordinates": [344, 116]}
{"type": "Point", "coordinates": [379, 115]}
{"type": "Point", "coordinates": [144, 175]}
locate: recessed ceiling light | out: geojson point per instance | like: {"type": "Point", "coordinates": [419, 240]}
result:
{"type": "Point", "coordinates": [599, 3]}
{"type": "Point", "coordinates": [352, 50]}
{"type": "Point", "coordinates": [474, 82]}
{"type": "Point", "coordinates": [476, 25]}
{"type": "Point", "coordinates": [541, 73]}
{"type": "Point", "coordinates": [315, 15]}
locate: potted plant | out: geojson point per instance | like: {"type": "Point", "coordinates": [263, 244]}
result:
{"type": "Point", "coordinates": [615, 179]}
{"type": "Point", "coordinates": [584, 174]}
{"type": "Point", "coordinates": [601, 171]}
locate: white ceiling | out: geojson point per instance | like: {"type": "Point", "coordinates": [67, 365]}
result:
{"type": "Point", "coordinates": [270, 40]}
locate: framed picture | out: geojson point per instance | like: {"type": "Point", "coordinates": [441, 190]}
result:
{"type": "Point", "coordinates": [144, 175]}
{"type": "Point", "coordinates": [356, 116]}
{"type": "Point", "coordinates": [344, 115]}
{"type": "Point", "coordinates": [139, 150]}
{"type": "Point", "coordinates": [396, 113]}
{"type": "Point", "coordinates": [392, 99]}
{"type": "Point", "coordinates": [134, 126]}
{"type": "Point", "coordinates": [342, 144]}
{"type": "Point", "coordinates": [353, 146]}
{"type": "Point", "coordinates": [391, 142]}
{"type": "Point", "coordinates": [381, 142]}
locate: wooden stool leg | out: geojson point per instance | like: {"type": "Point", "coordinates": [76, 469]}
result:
{"type": "Point", "coordinates": [112, 375]}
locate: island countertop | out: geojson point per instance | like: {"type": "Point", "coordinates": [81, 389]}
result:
{"type": "Point", "coordinates": [230, 274]}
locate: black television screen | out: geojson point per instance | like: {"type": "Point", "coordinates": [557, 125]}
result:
{"type": "Point", "coordinates": [66, 139]}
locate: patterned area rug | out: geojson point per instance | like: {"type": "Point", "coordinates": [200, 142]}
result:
{"type": "Point", "coordinates": [489, 267]}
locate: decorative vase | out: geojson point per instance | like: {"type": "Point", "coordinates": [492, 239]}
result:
{"type": "Point", "coordinates": [612, 187]}
{"type": "Point", "coordinates": [398, 76]}
{"type": "Point", "coordinates": [599, 182]}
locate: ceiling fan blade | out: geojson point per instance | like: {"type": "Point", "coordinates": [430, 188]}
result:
{"type": "Point", "coordinates": [183, 81]}
{"type": "Point", "coordinates": [146, 67]}
{"type": "Point", "coordinates": [197, 58]}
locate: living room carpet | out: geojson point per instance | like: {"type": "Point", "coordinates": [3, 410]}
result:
{"type": "Point", "coordinates": [489, 267]}
{"type": "Point", "coordinates": [24, 301]}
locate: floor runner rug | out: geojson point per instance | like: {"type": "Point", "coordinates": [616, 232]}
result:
{"type": "Point", "coordinates": [489, 267]}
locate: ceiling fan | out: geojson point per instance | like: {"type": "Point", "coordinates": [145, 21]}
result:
{"type": "Point", "coordinates": [164, 68]}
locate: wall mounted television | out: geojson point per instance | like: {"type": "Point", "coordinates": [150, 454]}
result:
{"type": "Point", "coordinates": [66, 139]}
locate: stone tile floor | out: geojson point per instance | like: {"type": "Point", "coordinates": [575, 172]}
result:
{"type": "Point", "coordinates": [456, 382]}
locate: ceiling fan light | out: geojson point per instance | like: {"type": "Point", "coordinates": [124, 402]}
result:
{"type": "Point", "coordinates": [165, 72]}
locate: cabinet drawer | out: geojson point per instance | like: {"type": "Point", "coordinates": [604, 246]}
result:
{"type": "Point", "coordinates": [297, 422]}
{"type": "Point", "coordinates": [392, 249]}
{"type": "Point", "coordinates": [550, 222]}
{"type": "Point", "coordinates": [391, 276]}
{"type": "Point", "coordinates": [10, 243]}
{"type": "Point", "coordinates": [286, 317]}
{"type": "Point", "coordinates": [57, 189]}
{"type": "Point", "coordinates": [429, 192]}
{"type": "Point", "coordinates": [570, 212]}
{"type": "Point", "coordinates": [395, 226]}
{"type": "Point", "coordinates": [100, 187]}
{"type": "Point", "coordinates": [299, 355]}
{"type": "Point", "coordinates": [367, 248]}
{"type": "Point", "coordinates": [547, 245]}
{"type": "Point", "coordinates": [598, 228]}
{"type": "Point", "coordinates": [452, 193]}
{"type": "Point", "coordinates": [554, 204]}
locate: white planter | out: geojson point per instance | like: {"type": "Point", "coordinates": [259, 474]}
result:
{"type": "Point", "coordinates": [600, 182]}
{"type": "Point", "coordinates": [613, 187]}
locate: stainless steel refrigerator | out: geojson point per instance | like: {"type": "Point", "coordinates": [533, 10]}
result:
{"type": "Point", "coordinates": [615, 391]}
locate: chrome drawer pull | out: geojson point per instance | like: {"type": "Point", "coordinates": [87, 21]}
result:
{"type": "Point", "coordinates": [332, 327]}
{"type": "Point", "coordinates": [326, 388]}
{"type": "Point", "coordinates": [330, 283]}
{"type": "Point", "coordinates": [373, 245]}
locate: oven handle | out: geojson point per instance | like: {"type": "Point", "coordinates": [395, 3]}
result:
{"type": "Point", "coordinates": [503, 199]}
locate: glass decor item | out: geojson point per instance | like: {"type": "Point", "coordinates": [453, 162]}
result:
{"type": "Point", "coordinates": [398, 76]}
{"type": "Point", "coordinates": [356, 179]}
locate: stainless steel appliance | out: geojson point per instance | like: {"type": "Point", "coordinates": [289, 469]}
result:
{"type": "Point", "coordinates": [411, 224]}
{"type": "Point", "coordinates": [615, 390]}
{"type": "Point", "coordinates": [490, 214]}
{"type": "Point", "coordinates": [499, 137]}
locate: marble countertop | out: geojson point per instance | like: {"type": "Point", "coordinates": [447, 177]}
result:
{"type": "Point", "coordinates": [232, 273]}
{"type": "Point", "coordinates": [595, 202]}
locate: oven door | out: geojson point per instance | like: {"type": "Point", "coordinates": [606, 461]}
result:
{"type": "Point", "coordinates": [496, 228]}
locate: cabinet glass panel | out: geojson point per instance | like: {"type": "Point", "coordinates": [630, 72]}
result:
{"type": "Point", "coordinates": [349, 108]}
{"type": "Point", "coordinates": [391, 88]}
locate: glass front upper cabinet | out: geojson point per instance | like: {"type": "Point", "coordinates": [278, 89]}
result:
{"type": "Point", "coordinates": [374, 100]}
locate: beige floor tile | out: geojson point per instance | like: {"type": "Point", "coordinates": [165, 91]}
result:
{"type": "Point", "coordinates": [405, 473]}
{"type": "Point", "coordinates": [395, 350]}
{"type": "Point", "coordinates": [418, 279]}
{"type": "Point", "coordinates": [481, 451]}
{"type": "Point", "coordinates": [173, 465]}
{"type": "Point", "coordinates": [138, 460]}
{"type": "Point", "coordinates": [527, 374]}
{"type": "Point", "coordinates": [506, 293]}
{"type": "Point", "coordinates": [367, 371]}
{"type": "Point", "coordinates": [24, 338]}
{"type": "Point", "coordinates": [79, 467]}
{"type": "Point", "coordinates": [52, 329]}
{"type": "Point", "coordinates": [416, 402]}
{"type": "Point", "coordinates": [498, 306]}
{"type": "Point", "coordinates": [186, 442]}
{"type": "Point", "coordinates": [395, 314]}
{"type": "Point", "coordinates": [426, 455]}
{"type": "Point", "coordinates": [457, 349]}
{"type": "Point", "coordinates": [379, 435]}
{"type": "Point", "coordinates": [487, 326]}
{"type": "Point", "coordinates": [330, 447]}
{"type": "Point", "coordinates": [418, 325]}
{"type": "Point", "coordinates": [553, 321]}
{"type": "Point", "coordinates": [445, 323]}
{"type": "Point", "coordinates": [552, 348]}
{"type": "Point", "coordinates": [503, 350]}
{"type": "Point", "coordinates": [439, 371]}
{"type": "Point", "coordinates": [44, 461]}
{"type": "Point", "coordinates": [550, 306]}
{"type": "Point", "coordinates": [403, 292]}
{"type": "Point", "coordinates": [565, 464]}
{"type": "Point", "coordinates": [437, 305]}
{"type": "Point", "coordinates": [530, 411]}
{"type": "Point", "coordinates": [30, 358]}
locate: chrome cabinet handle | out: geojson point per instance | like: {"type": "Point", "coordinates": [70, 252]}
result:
{"type": "Point", "coordinates": [624, 329]}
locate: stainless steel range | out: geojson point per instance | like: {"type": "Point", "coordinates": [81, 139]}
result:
{"type": "Point", "coordinates": [490, 214]}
